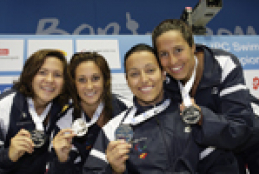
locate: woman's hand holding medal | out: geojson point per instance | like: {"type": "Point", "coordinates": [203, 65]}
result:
{"type": "Point", "coordinates": [117, 151]}
{"type": "Point", "coordinates": [20, 144]}
{"type": "Point", "coordinates": [117, 154]}
{"type": "Point", "coordinates": [62, 144]}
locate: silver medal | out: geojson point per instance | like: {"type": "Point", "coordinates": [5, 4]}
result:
{"type": "Point", "coordinates": [125, 132]}
{"type": "Point", "coordinates": [79, 127]}
{"type": "Point", "coordinates": [191, 115]}
{"type": "Point", "coordinates": [38, 137]}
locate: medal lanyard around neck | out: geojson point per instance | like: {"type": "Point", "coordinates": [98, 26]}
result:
{"type": "Point", "coordinates": [146, 115]}
{"type": "Point", "coordinates": [188, 86]}
{"type": "Point", "coordinates": [38, 119]}
{"type": "Point", "coordinates": [96, 115]}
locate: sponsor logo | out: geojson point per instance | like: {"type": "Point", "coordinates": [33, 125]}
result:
{"type": "Point", "coordinates": [4, 52]}
{"type": "Point", "coordinates": [255, 83]}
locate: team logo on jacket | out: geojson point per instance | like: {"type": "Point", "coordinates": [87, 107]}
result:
{"type": "Point", "coordinates": [140, 146]}
{"type": "Point", "coordinates": [88, 146]}
{"type": "Point", "coordinates": [143, 155]}
{"type": "Point", "coordinates": [89, 142]}
{"type": "Point", "coordinates": [214, 90]}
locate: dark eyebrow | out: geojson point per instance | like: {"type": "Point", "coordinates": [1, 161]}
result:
{"type": "Point", "coordinates": [132, 69]}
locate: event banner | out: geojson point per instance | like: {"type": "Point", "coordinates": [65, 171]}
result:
{"type": "Point", "coordinates": [127, 17]}
{"type": "Point", "coordinates": [14, 50]}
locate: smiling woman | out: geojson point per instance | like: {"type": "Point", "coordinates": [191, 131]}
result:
{"type": "Point", "coordinates": [48, 82]}
{"type": "Point", "coordinates": [93, 106]}
{"type": "Point", "coordinates": [149, 137]}
{"type": "Point", "coordinates": [145, 80]}
{"type": "Point", "coordinates": [209, 81]}
{"type": "Point", "coordinates": [30, 111]}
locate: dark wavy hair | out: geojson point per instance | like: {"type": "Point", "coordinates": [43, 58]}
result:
{"type": "Point", "coordinates": [139, 48]}
{"type": "Point", "coordinates": [100, 61]}
{"type": "Point", "coordinates": [31, 68]}
{"type": "Point", "coordinates": [171, 25]}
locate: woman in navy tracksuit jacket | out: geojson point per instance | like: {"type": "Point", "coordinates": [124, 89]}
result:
{"type": "Point", "coordinates": [161, 143]}
{"type": "Point", "coordinates": [91, 79]}
{"type": "Point", "coordinates": [81, 145]}
{"type": "Point", "coordinates": [219, 90]}
{"type": "Point", "coordinates": [41, 84]}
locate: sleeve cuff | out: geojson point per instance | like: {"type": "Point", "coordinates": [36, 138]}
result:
{"type": "Point", "coordinates": [5, 162]}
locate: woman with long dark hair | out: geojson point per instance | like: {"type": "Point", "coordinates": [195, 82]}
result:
{"type": "Point", "coordinates": [92, 107]}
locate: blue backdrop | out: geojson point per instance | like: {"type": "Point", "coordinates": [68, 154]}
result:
{"type": "Point", "coordinates": [117, 16]}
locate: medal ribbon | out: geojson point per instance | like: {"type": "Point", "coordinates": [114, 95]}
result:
{"type": "Point", "coordinates": [38, 119]}
{"type": "Point", "coordinates": [188, 86]}
{"type": "Point", "coordinates": [146, 115]}
{"type": "Point", "coordinates": [96, 115]}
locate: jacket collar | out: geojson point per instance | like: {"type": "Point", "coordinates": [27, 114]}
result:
{"type": "Point", "coordinates": [20, 104]}
{"type": "Point", "coordinates": [141, 109]}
